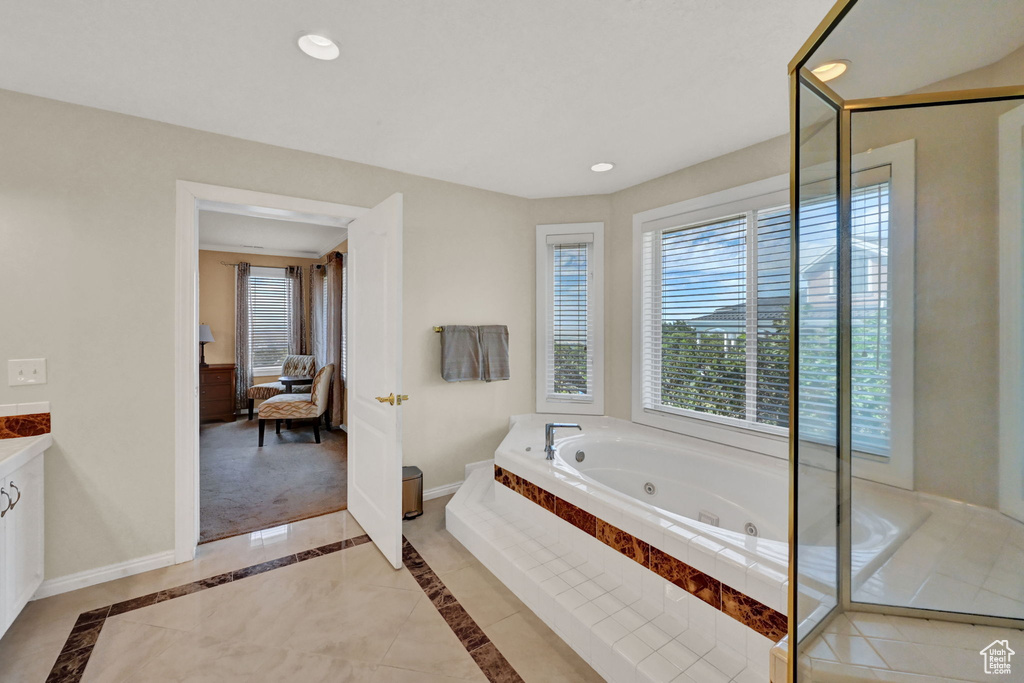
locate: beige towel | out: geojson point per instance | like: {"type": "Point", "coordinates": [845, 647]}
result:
{"type": "Point", "coordinates": [493, 352]}
{"type": "Point", "coordinates": [460, 353]}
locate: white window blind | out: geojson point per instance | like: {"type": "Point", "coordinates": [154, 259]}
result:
{"type": "Point", "coordinates": [569, 361]}
{"type": "Point", "coordinates": [715, 300]}
{"type": "Point", "coordinates": [269, 318]}
{"type": "Point", "coordinates": [570, 356]}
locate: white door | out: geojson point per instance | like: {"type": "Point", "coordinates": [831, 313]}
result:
{"type": "Point", "coordinates": [1011, 313]}
{"type": "Point", "coordinates": [375, 370]}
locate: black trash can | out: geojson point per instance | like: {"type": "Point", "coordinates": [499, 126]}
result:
{"type": "Point", "coordinates": [412, 492]}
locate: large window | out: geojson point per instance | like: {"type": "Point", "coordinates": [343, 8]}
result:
{"type": "Point", "coordinates": [570, 354]}
{"type": "Point", "coordinates": [713, 284]}
{"type": "Point", "coordinates": [270, 319]}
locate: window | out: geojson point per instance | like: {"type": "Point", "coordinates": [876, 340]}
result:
{"type": "Point", "coordinates": [711, 337]}
{"type": "Point", "coordinates": [270, 319]}
{"type": "Point", "coordinates": [570, 318]}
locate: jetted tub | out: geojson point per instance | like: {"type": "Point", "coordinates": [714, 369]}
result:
{"type": "Point", "coordinates": [668, 489]}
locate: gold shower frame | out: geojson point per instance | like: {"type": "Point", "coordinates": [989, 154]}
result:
{"type": "Point", "coordinates": [800, 75]}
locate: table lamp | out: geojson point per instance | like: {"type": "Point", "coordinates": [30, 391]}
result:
{"type": "Point", "coordinates": [205, 336]}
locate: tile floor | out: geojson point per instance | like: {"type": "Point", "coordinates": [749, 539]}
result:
{"type": "Point", "coordinates": [346, 616]}
{"type": "Point", "coordinates": [963, 558]}
{"type": "Point", "coordinates": [858, 646]}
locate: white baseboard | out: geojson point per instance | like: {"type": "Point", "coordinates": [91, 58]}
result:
{"type": "Point", "coordinates": [439, 491]}
{"type": "Point", "coordinates": [91, 577]}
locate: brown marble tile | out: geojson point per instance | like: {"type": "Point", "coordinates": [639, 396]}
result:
{"type": "Point", "coordinates": [750, 612]}
{"type": "Point", "coordinates": [462, 625]}
{"type": "Point", "coordinates": [494, 665]}
{"type": "Point", "coordinates": [330, 548]}
{"type": "Point", "coordinates": [15, 426]}
{"type": "Point", "coordinates": [505, 478]}
{"type": "Point", "coordinates": [136, 603]}
{"type": "Point", "coordinates": [82, 635]}
{"type": "Point", "coordinates": [691, 580]}
{"type": "Point", "coordinates": [578, 517]}
{"type": "Point", "coordinates": [526, 488]}
{"type": "Point", "coordinates": [70, 666]}
{"type": "Point", "coordinates": [93, 615]}
{"type": "Point", "coordinates": [626, 543]}
{"type": "Point", "coordinates": [307, 555]}
{"type": "Point", "coordinates": [541, 497]}
{"type": "Point", "coordinates": [263, 567]}
{"type": "Point", "coordinates": [491, 662]}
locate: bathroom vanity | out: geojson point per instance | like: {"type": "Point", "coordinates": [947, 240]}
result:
{"type": "Point", "coordinates": [21, 523]}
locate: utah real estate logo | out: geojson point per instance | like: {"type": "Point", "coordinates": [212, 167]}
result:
{"type": "Point", "coordinates": [997, 657]}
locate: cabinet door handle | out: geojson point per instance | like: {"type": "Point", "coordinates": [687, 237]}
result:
{"type": "Point", "coordinates": [8, 506]}
{"type": "Point", "coordinates": [16, 499]}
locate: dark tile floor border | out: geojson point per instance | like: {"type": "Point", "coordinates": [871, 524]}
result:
{"type": "Point", "coordinates": [74, 656]}
{"type": "Point", "coordinates": [743, 608]}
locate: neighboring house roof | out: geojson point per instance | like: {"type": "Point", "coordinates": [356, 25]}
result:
{"type": "Point", "coordinates": [828, 257]}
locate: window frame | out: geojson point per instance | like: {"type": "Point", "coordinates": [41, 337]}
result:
{"type": "Point", "coordinates": [594, 405]}
{"type": "Point", "coordinates": [896, 470]}
{"type": "Point", "coordinates": [266, 272]}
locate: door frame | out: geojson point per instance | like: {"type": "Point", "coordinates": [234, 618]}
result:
{"type": "Point", "coordinates": [1011, 302]}
{"type": "Point", "coordinates": [190, 198]}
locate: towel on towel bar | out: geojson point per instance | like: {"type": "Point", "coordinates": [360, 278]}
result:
{"type": "Point", "coordinates": [493, 352]}
{"type": "Point", "coordinates": [460, 353]}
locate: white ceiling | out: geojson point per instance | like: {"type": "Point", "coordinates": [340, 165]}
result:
{"type": "Point", "coordinates": [519, 97]}
{"type": "Point", "coordinates": [914, 44]}
{"type": "Point", "coordinates": [246, 234]}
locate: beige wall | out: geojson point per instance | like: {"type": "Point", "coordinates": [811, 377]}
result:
{"type": "Point", "coordinates": [87, 215]}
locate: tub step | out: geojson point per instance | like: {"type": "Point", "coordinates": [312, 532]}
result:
{"type": "Point", "coordinates": [631, 625]}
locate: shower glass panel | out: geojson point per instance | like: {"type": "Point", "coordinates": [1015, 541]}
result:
{"type": "Point", "coordinates": [816, 555]}
{"type": "Point", "coordinates": [927, 368]}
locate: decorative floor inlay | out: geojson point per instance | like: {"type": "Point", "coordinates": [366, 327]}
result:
{"type": "Point", "coordinates": [78, 648]}
{"type": "Point", "coordinates": [743, 608]}
{"type": "Point", "coordinates": [477, 644]}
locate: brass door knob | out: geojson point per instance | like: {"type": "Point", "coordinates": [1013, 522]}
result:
{"type": "Point", "coordinates": [390, 398]}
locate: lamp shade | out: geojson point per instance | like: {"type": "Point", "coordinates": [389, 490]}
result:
{"type": "Point", "coordinates": [205, 335]}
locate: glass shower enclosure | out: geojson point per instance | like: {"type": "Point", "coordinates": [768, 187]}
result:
{"type": "Point", "coordinates": [907, 388]}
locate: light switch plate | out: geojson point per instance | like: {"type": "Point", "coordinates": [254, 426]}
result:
{"type": "Point", "coordinates": [26, 371]}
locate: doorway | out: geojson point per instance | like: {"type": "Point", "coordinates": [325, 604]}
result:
{"type": "Point", "coordinates": [271, 297]}
{"type": "Point", "coordinates": [373, 467]}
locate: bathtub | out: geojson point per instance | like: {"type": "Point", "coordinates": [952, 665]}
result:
{"type": "Point", "coordinates": [669, 489]}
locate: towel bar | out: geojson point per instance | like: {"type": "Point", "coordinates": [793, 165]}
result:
{"type": "Point", "coordinates": [438, 329]}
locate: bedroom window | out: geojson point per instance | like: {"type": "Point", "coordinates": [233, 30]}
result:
{"type": "Point", "coordinates": [570, 318]}
{"type": "Point", "coordinates": [270, 316]}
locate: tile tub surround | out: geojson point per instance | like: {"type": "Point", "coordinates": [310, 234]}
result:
{"type": "Point", "coordinates": [78, 648]}
{"type": "Point", "coordinates": [24, 419]}
{"type": "Point", "coordinates": [743, 608]}
{"type": "Point", "coordinates": [628, 623]}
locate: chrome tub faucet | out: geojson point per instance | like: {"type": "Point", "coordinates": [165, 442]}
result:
{"type": "Point", "coordinates": [549, 436]}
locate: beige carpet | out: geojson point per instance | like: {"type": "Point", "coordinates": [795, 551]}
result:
{"type": "Point", "coordinates": [244, 488]}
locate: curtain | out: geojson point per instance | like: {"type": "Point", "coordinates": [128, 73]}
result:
{"type": "Point", "coordinates": [317, 321]}
{"type": "Point", "coordinates": [334, 333]}
{"type": "Point", "coordinates": [297, 339]}
{"type": "Point", "coordinates": [243, 365]}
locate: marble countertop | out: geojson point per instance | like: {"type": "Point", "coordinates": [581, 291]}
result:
{"type": "Point", "coordinates": [16, 452]}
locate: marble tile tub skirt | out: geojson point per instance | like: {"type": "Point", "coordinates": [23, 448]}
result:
{"type": "Point", "coordinates": [630, 610]}
{"type": "Point", "coordinates": [743, 608]}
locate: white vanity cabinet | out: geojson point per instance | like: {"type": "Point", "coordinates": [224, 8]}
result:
{"type": "Point", "coordinates": [21, 523]}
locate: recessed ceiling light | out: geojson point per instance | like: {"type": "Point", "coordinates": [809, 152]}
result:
{"type": "Point", "coordinates": [602, 167]}
{"type": "Point", "coordinates": [319, 47]}
{"type": "Point", "coordinates": [829, 70]}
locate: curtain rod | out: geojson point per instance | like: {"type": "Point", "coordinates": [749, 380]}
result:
{"type": "Point", "coordinates": [311, 265]}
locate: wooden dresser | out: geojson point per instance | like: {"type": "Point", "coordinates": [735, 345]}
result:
{"type": "Point", "coordinates": [217, 392]}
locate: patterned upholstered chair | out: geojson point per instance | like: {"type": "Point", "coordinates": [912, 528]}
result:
{"type": "Point", "coordinates": [295, 366]}
{"type": "Point", "coordinates": [299, 406]}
